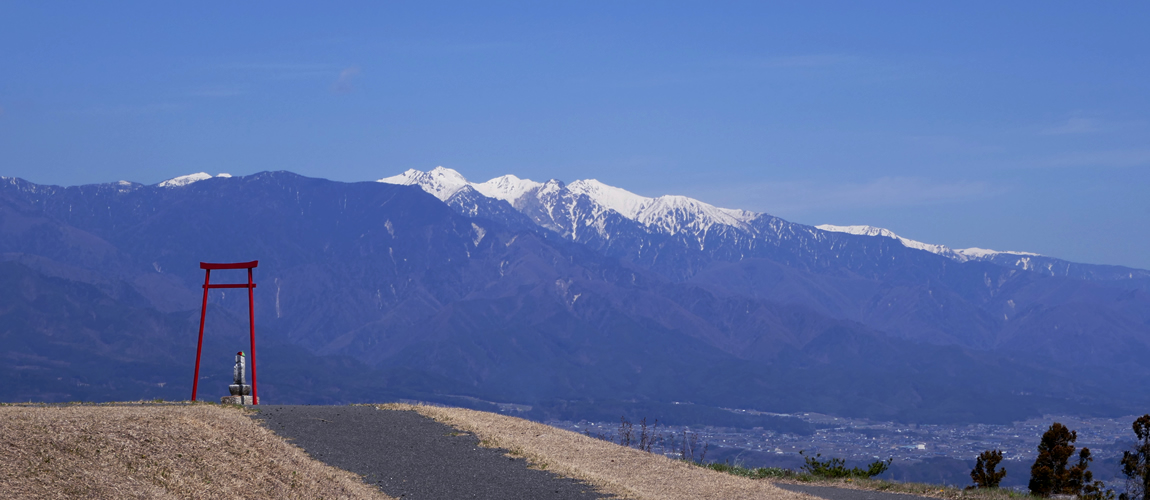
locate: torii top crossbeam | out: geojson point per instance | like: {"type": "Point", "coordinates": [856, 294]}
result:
{"type": "Point", "coordinates": [250, 285]}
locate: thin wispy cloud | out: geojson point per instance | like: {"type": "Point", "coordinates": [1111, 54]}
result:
{"type": "Point", "coordinates": [799, 61]}
{"type": "Point", "coordinates": [1082, 125]}
{"type": "Point", "coordinates": [855, 68]}
{"type": "Point", "coordinates": [792, 198]}
{"type": "Point", "coordinates": [141, 109]}
{"type": "Point", "coordinates": [442, 47]}
{"type": "Point", "coordinates": [1108, 158]}
{"type": "Point", "coordinates": [273, 67]}
{"type": "Point", "coordinates": [343, 84]}
{"type": "Point", "coordinates": [216, 92]}
{"type": "Point", "coordinates": [287, 71]}
{"type": "Point", "coordinates": [736, 68]}
{"type": "Point", "coordinates": [1073, 126]}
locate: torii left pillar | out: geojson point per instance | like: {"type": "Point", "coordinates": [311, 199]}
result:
{"type": "Point", "coordinates": [251, 286]}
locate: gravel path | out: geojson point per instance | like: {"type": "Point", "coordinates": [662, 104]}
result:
{"type": "Point", "coordinates": [413, 457]}
{"type": "Point", "coordinates": [832, 493]}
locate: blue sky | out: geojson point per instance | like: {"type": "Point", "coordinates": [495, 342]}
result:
{"type": "Point", "coordinates": [1014, 127]}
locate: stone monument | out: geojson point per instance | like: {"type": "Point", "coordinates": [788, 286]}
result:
{"type": "Point", "coordinates": [241, 391]}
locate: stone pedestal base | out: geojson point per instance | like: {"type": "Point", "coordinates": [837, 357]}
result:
{"type": "Point", "coordinates": [237, 400]}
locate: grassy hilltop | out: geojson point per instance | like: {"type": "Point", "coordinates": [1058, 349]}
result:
{"type": "Point", "coordinates": [161, 451]}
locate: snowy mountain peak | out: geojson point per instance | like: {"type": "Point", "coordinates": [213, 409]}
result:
{"type": "Point", "coordinates": [961, 255]}
{"type": "Point", "coordinates": [551, 187]}
{"type": "Point", "coordinates": [184, 180]}
{"type": "Point", "coordinates": [448, 175]}
{"type": "Point", "coordinates": [676, 214]}
{"type": "Point", "coordinates": [507, 188]}
{"type": "Point", "coordinates": [440, 182]}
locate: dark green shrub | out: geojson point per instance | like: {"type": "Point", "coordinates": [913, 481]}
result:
{"type": "Point", "coordinates": [836, 467]}
{"type": "Point", "coordinates": [758, 473]}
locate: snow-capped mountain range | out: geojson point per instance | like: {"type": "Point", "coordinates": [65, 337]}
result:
{"type": "Point", "coordinates": [666, 214]}
{"type": "Point", "coordinates": [669, 214]}
{"type": "Point", "coordinates": [680, 236]}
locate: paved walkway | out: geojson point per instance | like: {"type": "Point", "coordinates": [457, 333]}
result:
{"type": "Point", "coordinates": [413, 457]}
{"type": "Point", "coordinates": [410, 456]}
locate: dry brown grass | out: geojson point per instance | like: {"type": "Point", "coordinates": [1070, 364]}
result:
{"type": "Point", "coordinates": [624, 472]}
{"type": "Point", "coordinates": [200, 451]}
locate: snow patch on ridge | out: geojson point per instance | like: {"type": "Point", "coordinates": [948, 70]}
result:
{"type": "Point", "coordinates": [886, 233]}
{"type": "Point", "coordinates": [184, 180]}
{"type": "Point", "coordinates": [628, 204]}
{"type": "Point", "coordinates": [961, 255]}
{"type": "Point", "coordinates": [983, 253]}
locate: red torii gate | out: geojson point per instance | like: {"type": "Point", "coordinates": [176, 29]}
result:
{"type": "Point", "coordinates": [207, 267]}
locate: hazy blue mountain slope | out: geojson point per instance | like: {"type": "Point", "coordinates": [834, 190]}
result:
{"type": "Point", "coordinates": [369, 290]}
{"type": "Point", "coordinates": [65, 340]}
{"type": "Point", "coordinates": [908, 289]}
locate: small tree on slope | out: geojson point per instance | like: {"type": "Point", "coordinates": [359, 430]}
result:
{"type": "Point", "coordinates": [1136, 464]}
{"type": "Point", "coordinates": [984, 475]}
{"type": "Point", "coordinates": [1050, 475]}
